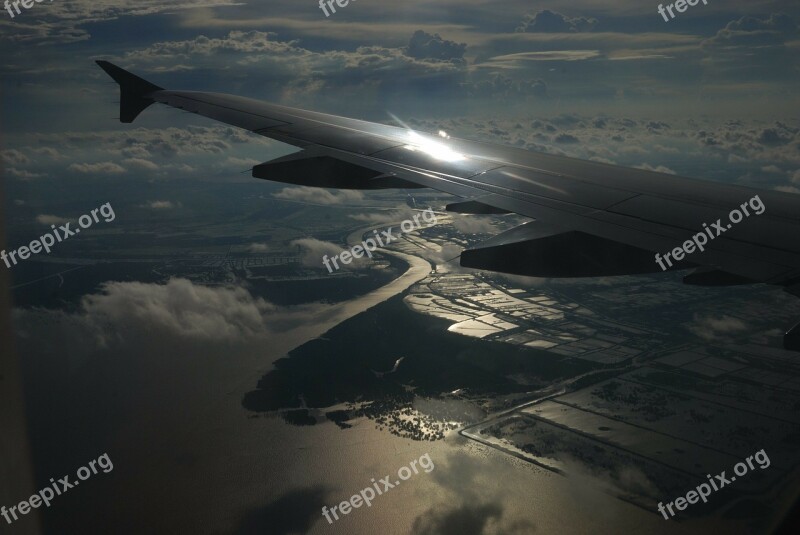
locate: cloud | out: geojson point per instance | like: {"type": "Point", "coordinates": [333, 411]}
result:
{"type": "Point", "coordinates": [14, 157]}
{"type": "Point", "coordinates": [22, 174]}
{"type": "Point", "coordinates": [788, 189]}
{"type": "Point", "coordinates": [457, 520]}
{"type": "Point", "coordinates": [158, 205]}
{"type": "Point", "coordinates": [48, 219]}
{"type": "Point", "coordinates": [159, 318]}
{"type": "Point", "coordinates": [657, 168]}
{"type": "Point", "coordinates": [547, 21]}
{"type": "Point", "coordinates": [97, 168]}
{"type": "Point", "coordinates": [140, 163]}
{"type": "Point", "coordinates": [777, 22]}
{"type": "Point", "coordinates": [242, 162]}
{"type": "Point", "coordinates": [318, 195]}
{"type": "Point", "coordinates": [60, 22]}
{"type": "Point", "coordinates": [179, 307]}
{"type": "Point", "coordinates": [468, 503]}
{"type": "Point", "coordinates": [501, 86]}
{"type": "Point", "coordinates": [712, 328]}
{"type": "Point", "coordinates": [514, 60]}
{"type": "Point", "coordinates": [159, 152]}
{"type": "Point", "coordinates": [284, 71]}
{"type": "Point", "coordinates": [566, 138]}
{"type": "Point", "coordinates": [757, 45]}
{"type": "Point", "coordinates": [313, 251]}
{"type": "Point", "coordinates": [258, 248]}
{"type": "Point", "coordinates": [426, 46]}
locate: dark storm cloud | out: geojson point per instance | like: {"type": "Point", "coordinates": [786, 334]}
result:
{"type": "Point", "coordinates": [552, 22]}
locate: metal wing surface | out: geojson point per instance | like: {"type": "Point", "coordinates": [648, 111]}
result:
{"type": "Point", "coordinates": [607, 218]}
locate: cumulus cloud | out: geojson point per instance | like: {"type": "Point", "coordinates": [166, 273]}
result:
{"type": "Point", "coordinates": [501, 86]}
{"type": "Point", "coordinates": [22, 174]}
{"type": "Point", "coordinates": [426, 46]}
{"type": "Point", "coordinates": [158, 152]}
{"type": "Point", "coordinates": [179, 307]}
{"type": "Point", "coordinates": [49, 219]}
{"type": "Point", "coordinates": [14, 157]}
{"type": "Point", "coordinates": [242, 162]}
{"type": "Point", "coordinates": [140, 163]}
{"type": "Point", "coordinates": [61, 22]}
{"type": "Point", "coordinates": [552, 22]}
{"type": "Point", "coordinates": [710, 327]}
{"type": "Point", "coordinates": [657, 168]}
{"type": "Point", "coordinates": [97, 168]}
{"type": "Point", "coordinates": [258, 248]}
{"type": "Point", "coordinates": [777, 22]}
{"type": "Point", "coordinates": [157, 318]}
{"type": "Point", "coordinates": [283, 70]}
{"type": "Point", "coordinates": [761, 38]}
{"type": "Point", "coordinates": [313, 251]}
{"type": "Point", "coordinates": [468, 503]}
{"type": "Point", "coordinates": [158, 205]}
{"type": "Point", "coordinates": [318, 195]}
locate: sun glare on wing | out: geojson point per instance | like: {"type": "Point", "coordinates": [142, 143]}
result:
{"type": "Point", "coordinates": [432, 148]}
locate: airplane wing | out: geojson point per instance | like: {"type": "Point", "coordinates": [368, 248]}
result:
{"type": "Point", "coordinates": [590, 218]}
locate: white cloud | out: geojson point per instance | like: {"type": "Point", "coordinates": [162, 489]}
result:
{"type": "Point", "coordinates": [158, 205]}
{"type": "Point", "coordinates": [258, 248]}
{"type": "Point", "coordinates": [49, 219]}
{"type": "Point", "coordinates": [97, 168]}
{"type": "Point", "coordinates": [712, 327]}
{"type": "Point", "coordinates": [318, 195]}
{"type": "Point", "coordinates": [314, 250]}
{"type": "Point", "coordinates": [140, 163]}
{"type": "Point", "coordinates": [13, 156]}
{"type": "Point", "coordinates": [22, 174]}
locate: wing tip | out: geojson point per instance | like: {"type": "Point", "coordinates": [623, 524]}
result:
{"type": "Point", "coordinates": [134, 91]}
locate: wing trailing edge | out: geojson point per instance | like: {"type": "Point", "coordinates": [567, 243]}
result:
{"type": "Point", "coordinates": [317, 169]}
{"type": "Point", "coordinates": [537, 250]}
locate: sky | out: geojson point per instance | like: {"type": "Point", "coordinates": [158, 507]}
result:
{"type": "Point", "coordinates": [712, 93]}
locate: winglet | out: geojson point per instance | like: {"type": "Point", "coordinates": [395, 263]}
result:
{"type": "Point", "coordinates": [134, 91]}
